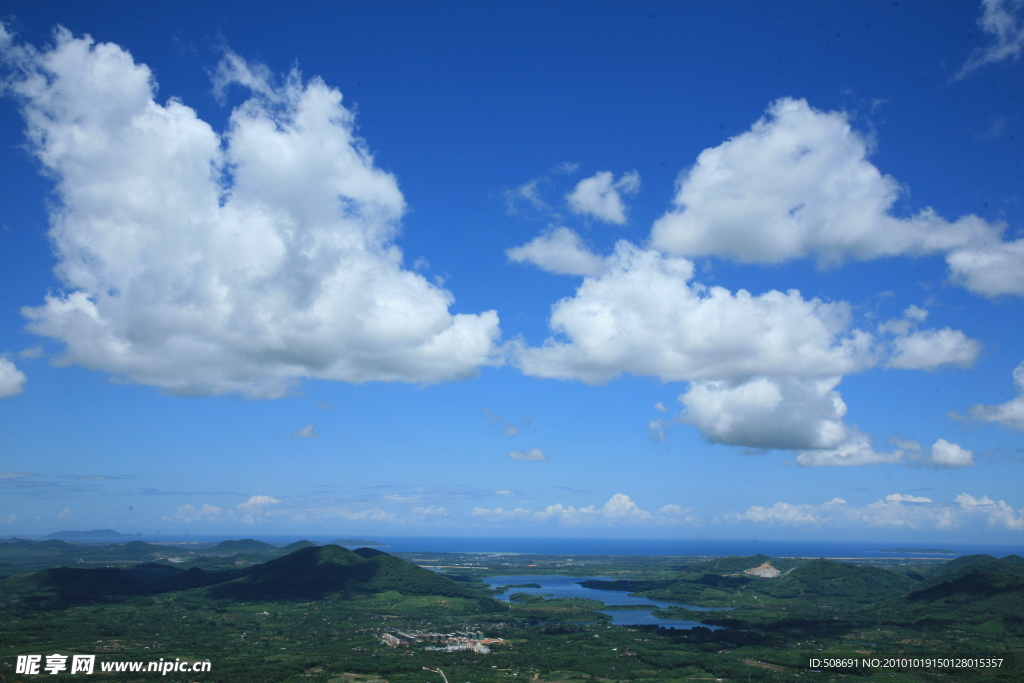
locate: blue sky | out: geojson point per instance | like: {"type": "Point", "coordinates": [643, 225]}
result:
{"type": "Point", "coordinates": [513, 269]}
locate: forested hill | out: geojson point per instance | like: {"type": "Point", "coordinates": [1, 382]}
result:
{"type": "Point", "coordinates": [309, 573]}
{"type": "Point", "coordinates": [314, 572]}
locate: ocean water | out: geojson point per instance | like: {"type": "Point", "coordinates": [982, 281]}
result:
{"type": "Point", "coordinates": [633, 546]}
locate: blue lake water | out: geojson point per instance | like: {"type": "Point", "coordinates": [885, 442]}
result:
{"type": "Point", "coordinates": [558, 586]}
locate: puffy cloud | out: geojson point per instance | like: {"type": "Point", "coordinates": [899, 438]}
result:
{"type": "Point", "coordinates": [206, 263]}
{"type": "Point", "coordinates": [601, 196]}
{"type": "Point", "coordinates": [12, 380]}
{"type": "Point", "coordinates": [995, 513]}
{"type": "Point", "coordinates": [644, 317]}
{"type": "Point", "coordinates": [991, 268]}
{"type": "Point", "coordinates": [788, 413]}
{"type": "Point", "coordinates": [799, 184]}
{"type": "Point", "coordinates": [204, 512]}
{"type": "Point", "coordinates": [255, 507]}
{"type": "Point", "coordinates": [1004, 21]}
{"type": "Point", "coordinates": [946, 455]}
{"type": "Point", "coordinates": [1009, 414]}
{"type": "Point", "coordinates": [780, 513]}
{"type": "Point", "coordinates": [619, 510]}
{"type": "Point", "coordinates": [905, 498]}
{"type": "Point", "coordinates": [252, 510]}
{"type": "Point", "coordinates": [930, 349]}
{"type": "Point", "coordinates": [855, 449]}
{"type": "Point", "coordinates": [895, 510]}
{"type": "Point", "coordinates": [559, 251]}
{"type": "Point", "coordinates": [943, 454]}
{"type": "Point", "coordinates": [912, 349]}
{"type": "Point", "coordinates": [532, 454]}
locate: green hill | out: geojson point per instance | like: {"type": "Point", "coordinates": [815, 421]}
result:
{"type": "Point", "coordinates": [980, 579]}
{"type": "Point", "coordinates": [984, 595]}
{"type": "Point", "coordinates": [75, 585]}
{"type": "Point", "coordinates": [731, 565]}
{"type": "Point", "coordinates": [94, 535]}
{"type": "Point", "coordinates": [298, 545]}
{"type": "Point", "coordinates": [958, 567]}
{"type": "Point", "coordinates": [826, 580]}
{"type": "Point", "coordinates": [314, 572]}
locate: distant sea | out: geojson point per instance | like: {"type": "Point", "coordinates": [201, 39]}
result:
{"type": "Point", "coordinates": [634, 546]}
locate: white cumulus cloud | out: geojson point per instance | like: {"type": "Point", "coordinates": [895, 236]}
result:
{"type": "Point", "coordinates": [990, 268]}
{"type": "Point", "coordinates": [559, 251]}
{"type": "Point", "coordinates": [947, 455]}
{"type": "Point", "coordinates": [786, 413]}
{"type": "Point", "coordinates": [1009, 414]}
{"type": "Point", "coordinates": [855, 450]}
{"type": "Point", "coordinates": [643, 316]}
{"type": "Point", "coordinates": [619, 510]}
{"type": "Point", "coordinates": [209, 263]}
{"type": "Point", "coordinates": [894, 510]}
{"type": "Point", "coordinates": [12, 380]}
{"type": "Point", "coordinates": [799, 184]}
{"type": "Point", "coordinates": [931, 349]}
{"type": "Point", "coordinates": [601, 196]}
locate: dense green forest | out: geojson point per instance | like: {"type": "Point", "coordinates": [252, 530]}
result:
{"type": "Point", "coordinates": [317, 614]}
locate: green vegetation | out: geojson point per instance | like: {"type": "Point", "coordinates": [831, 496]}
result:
{"type": "Point", "coordinates": [317, 614]}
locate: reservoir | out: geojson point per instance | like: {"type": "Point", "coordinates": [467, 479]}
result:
{"type": "Point", "coordinates": [559, 586]}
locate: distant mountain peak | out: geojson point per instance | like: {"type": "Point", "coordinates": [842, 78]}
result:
{"type": "Point", "coordinates": [89, 535]}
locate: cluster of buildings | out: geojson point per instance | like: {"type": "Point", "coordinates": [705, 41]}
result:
{"type": "Point", "coordinates": [453, 642]}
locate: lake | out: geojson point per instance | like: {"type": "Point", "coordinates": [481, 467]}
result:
{"type": "Point", "coordinates": [559, 586]}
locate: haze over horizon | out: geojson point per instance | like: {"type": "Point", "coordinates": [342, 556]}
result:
{"type": "Point", "coordinates": [742, 271]}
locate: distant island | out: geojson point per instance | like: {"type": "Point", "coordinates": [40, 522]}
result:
{"type": "Point", "coordinates": [91, 535]}
{"type": "Point", "coordinates": [358, 542]}
{"type": "Point", "coordinates": [921, 551]}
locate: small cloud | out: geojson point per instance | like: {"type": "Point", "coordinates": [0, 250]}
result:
{"type": "Point", "coordinates": [560, 251]}
{"type": "Point", "coordinates": [1004, 21]}
{"type": "Point", "coordinates": [946, 455]}
{"type": "Point", "coordinates": [567, 167]}
{"type": "Point", "coordinates": [529, 193]}
{"type": "Point", "coordinates": [508, 428]}
{"type": "Point", "coordinates": [533, 455]}
{"type": "Point", "coordinates": [65, 513]}
{"type": "Point", "coordinates": [421, 264]}
{"type": "Point", "coordinates": [600, 196]}
{"type": "Point", "coordinates": [996, 128]}
{"type": "Point", "coordinates": [31, 352]}
{"type": "Point", "coordinates": [12, 380]}
{"type": "Point", "coordinates": [660, 407]}
{"type": "Point", "coordinates": [307, 432]}
{"type": "Point", "coordinates": [1009, 414]}
{"type": "Point", "coordinates": [504, 492]}
{"type": "Point", "coordinates": [902, 498]}
{"type": "Point", "coordinates": [656, 430]}
{"type": "Point", "coordinates": [326, 405]}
